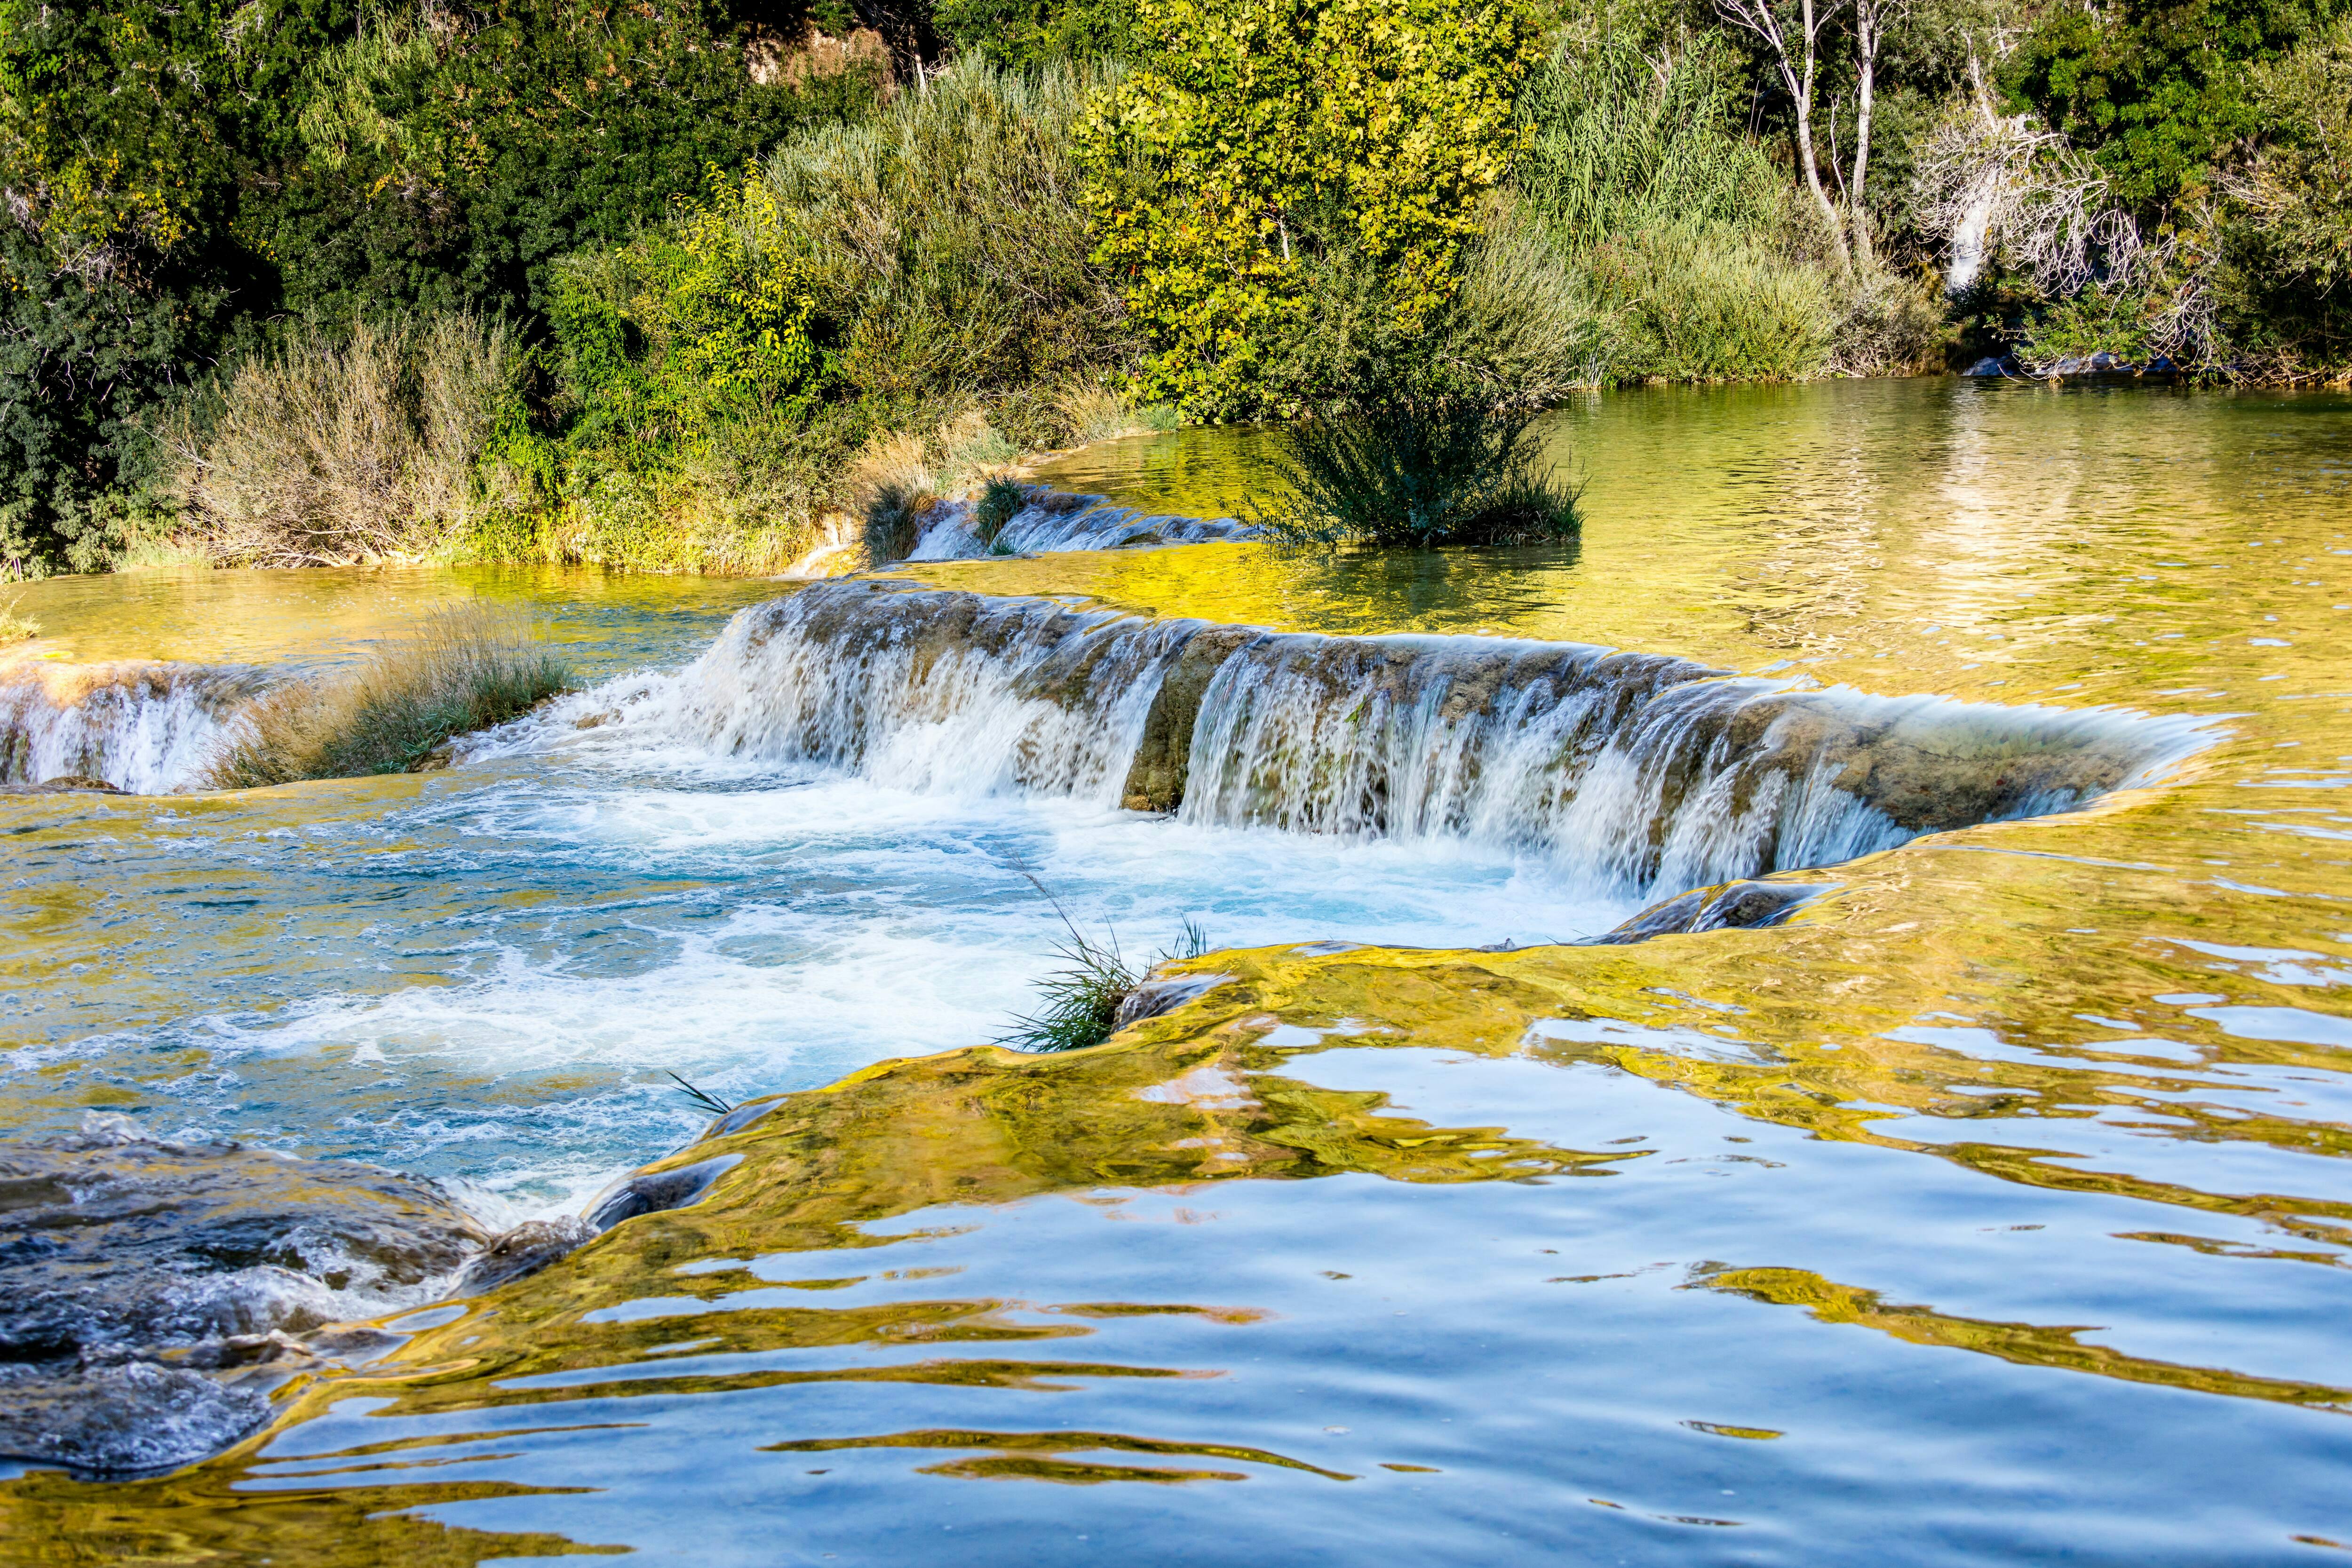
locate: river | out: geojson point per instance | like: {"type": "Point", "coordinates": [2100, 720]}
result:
{"type": "Point", "coordinates": [1984, 1211]}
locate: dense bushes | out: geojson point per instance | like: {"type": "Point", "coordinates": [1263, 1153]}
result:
{"type": "Point", "coordinates": [1258, 138]}
{"type": "Point", "coordinates": [184, 180]}
{"type": "Point", "coordinates": [715, 261]}
{"type": "Point", "coordinates": [325, 450]}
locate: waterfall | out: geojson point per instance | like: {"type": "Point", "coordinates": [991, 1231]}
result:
{"type": "Point", "coordinates": [1051, 520]}
{"type": "Point", "coordinates": [1636, 772]}
{"type": "Point", "coordinates": [149, 728]}
{"type": "Point", "coordinates": [924, 690]}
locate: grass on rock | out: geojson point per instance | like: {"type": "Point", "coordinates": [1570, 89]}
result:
{"type": "Point", "coordinates": [459, 671]}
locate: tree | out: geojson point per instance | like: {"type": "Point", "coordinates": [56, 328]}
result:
{"type": "Point", "coordinates": [1795, 42]}
{"type": "Point", "coordinates": [1258, 131]}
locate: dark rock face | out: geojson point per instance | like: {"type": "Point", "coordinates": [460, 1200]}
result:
{"type": "Point", "coordinates": [650, 1192]}
{"type": "Point", "coordinates": [151, 1293]}
{"type": "Point", "coordinates": [526, 1249]}
{"type": "Point", "coordinates": [1155, 779]}
{"type": "Point", "coordinates": [1153, 997]}
{"type": "Point", "coordinates": [1731, 906]}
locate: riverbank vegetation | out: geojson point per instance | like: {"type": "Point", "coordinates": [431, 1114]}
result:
{"type": "Point", "coordinates": [692, 289]}
{"type": "Point", "coordinates": [459, 671]}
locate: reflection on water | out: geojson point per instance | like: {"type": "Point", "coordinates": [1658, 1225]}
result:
{"type": "Point", "coordinates": [1991, 1211]}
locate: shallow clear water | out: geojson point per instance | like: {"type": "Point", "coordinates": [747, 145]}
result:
{"type": "Point", "coordinates": [1995, 1210]}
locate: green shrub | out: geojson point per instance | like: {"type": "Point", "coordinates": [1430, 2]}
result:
{"type": "Point", "coordinates": [326, 450]}
{"type": "Point", "coordinates": [894, 521]}
{"type": "Point", "coordinates": [1253, 134]}
{"type": "Point", "coordinates": [460, 671]}
{"type": "Point", "coordinates": [1412, 474]}
{"type": "Point", "coordinates": [1083, 1000]}
{"type": "Point", "coordinates": [1613, 148]}
{"type": "Point", "coordinates": [950, 246]}
{"type": "Point", "coordinates": [1713, 304]}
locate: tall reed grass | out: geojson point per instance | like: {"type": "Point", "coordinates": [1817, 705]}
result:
{"type": "Point", "coordinates": [461, 670]}
{"type": "Point", "coordinates": [329, 451]}
{"type": "Point", "coordinates": [1414, 474]}
{"type": "Point", "coordinates": [948, 234]}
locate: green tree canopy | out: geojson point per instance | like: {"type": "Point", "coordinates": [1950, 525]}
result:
{"type": "Point", "coordinates": [1253, 131]}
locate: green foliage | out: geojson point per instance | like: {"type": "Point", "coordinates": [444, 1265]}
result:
{"type": "Point", "coordinates": [950, 244]}
{"type": "Point", "coordinates": [331, 448]}
{"type": "Point", "coordinates": [1082, 1002]}
{"type": "Point", "coordinates": [1254, 132]}
{"type": "Point", "coordinates": [896, 513]}
{"type": "Point", "coordinates": [1713, 303]}
{"type": "Point", "coordinates": [1612, 150]}
{"type": "Point", "coordinates": [460, 163]}
{"type": "Point", "coordinates": [1409, 473]}
{"type": "Point", "coordinates": [2155, 91]}
{"type": "Point", "coordinates": [2285, 273]}
{"type": "Point", "coordinates": [459, 671]}
{"type": "Point", "coordinates": [1029, 35]}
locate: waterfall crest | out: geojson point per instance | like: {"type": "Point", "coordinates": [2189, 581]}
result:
{"type": "Point", "coordinates": [1051, 520]}
{"type": "Point", "coordinates": [149, 728]}
{"type": "Point", "coordinates": [1637, 772]}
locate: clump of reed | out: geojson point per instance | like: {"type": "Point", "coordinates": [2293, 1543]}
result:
{"type": "Point", "coordinates": [460, 670]}
{"type": "Point", "coordinates": [1405, 472]}
{"type": "Point", "coordinates": [999, 502]}
{"type": "Point", "coordinates": [15, 627]}
{"type": "Point", "coordinates": [328, 451]}
{"type": "Point", "coordinates": [894, 493]}
{"type": "Point", "coordinates": [1082, 1002]}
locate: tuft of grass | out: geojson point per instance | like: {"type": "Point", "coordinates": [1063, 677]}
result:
{"type": "Point", "coordinates": [972, 446]}
{"type": "Point", "coordinates": [461, 670]}
{"type": "Point", "coordinates": [326, 450]}
{"type": "Point", "coordinates": [1082, 1001]}
{"type": "Point", "coordinates": [999, 504]}
{"type": "Point", "coordinates": [895, 514]}
{"type": "Point", "coordinates": [1414, 473]}
{"type": "Point", "coordinates": [701, 1096]}
{"type": "Point", "coordinates": [15, 627]}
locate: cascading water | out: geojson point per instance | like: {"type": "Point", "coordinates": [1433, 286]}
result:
{"type": "Point", "coordinates": [942, 692]}
{"type": "Point", "coordinates": [1633, 772]}
{"type": "Point", "coordinates": [1051, 520]}
{"type": "Point", "coordinates": [148, 729]}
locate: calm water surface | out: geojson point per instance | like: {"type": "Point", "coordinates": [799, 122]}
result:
{"type": "Point", "coordinates": [1990, 1211]}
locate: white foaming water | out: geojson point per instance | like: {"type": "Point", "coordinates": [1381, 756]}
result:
{"type": "Point", "coordinates": [966, 695]}
{"type": "Point", "coordinates": [829, 923]}
{"type": "Point", "coordinates": [1054, 520]}
{"type": "Point", "coordinates": [1635, 772]}
{"type": "Point", "coordinates": [1632, 771]}
{"type": "Point", "coordinates": [150, 729]}
{"type": "Point", "coordinates": [812, 848]}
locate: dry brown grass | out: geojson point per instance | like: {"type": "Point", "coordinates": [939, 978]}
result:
{"type": "Point", "coordinates": [331, 452]}
{"type": "Point", "coordinates": [15, 627]}
{"type": "Point", "coordinates": [460, 670]}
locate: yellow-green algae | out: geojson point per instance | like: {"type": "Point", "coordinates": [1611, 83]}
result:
{"type": "Point", "coordinates": [2070, 946]}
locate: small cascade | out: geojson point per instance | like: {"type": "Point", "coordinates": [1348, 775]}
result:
{"type": "Point", "coordinates": [1053, 521]}
{"type": "Point", "coordinates": [148, 729]}
{"type": "Point", "coordinates": [1633, 772]}
{"type": "Point", "coordinates": [1645, 771]}
{"type": "Point", "coordinates": [922, 690]}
